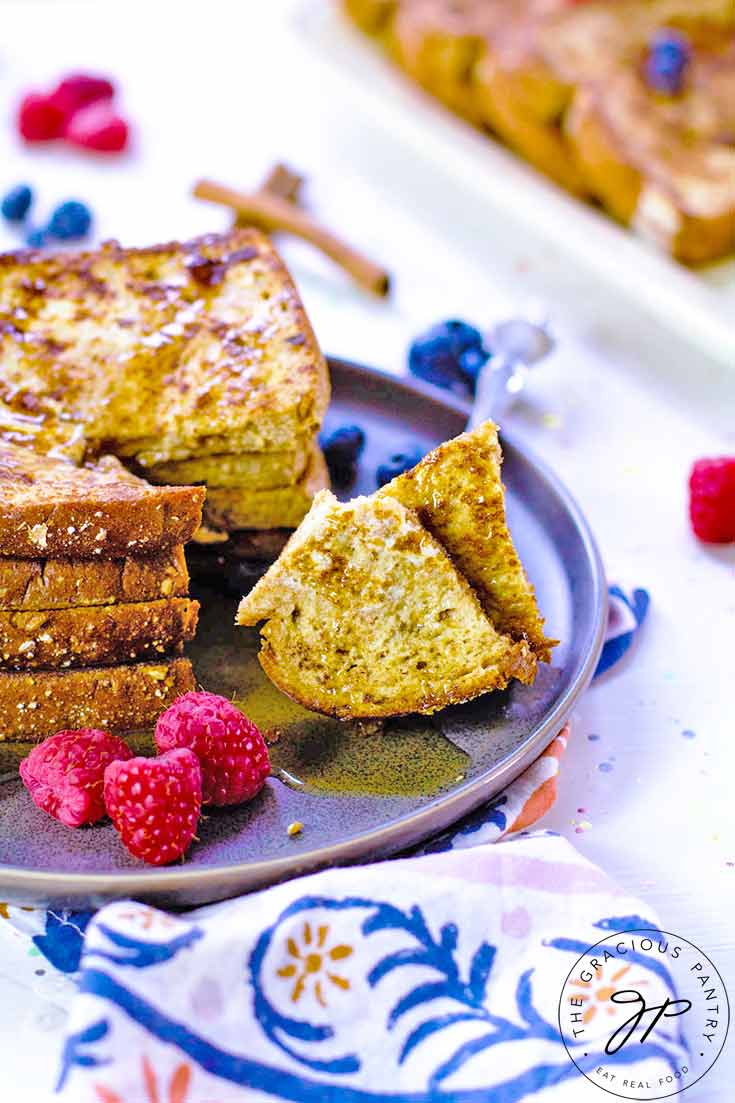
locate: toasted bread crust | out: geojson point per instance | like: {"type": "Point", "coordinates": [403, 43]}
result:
{"type": "Point", "coordinates": [458, 494]}
{"type": "Point", "coordinates": [115, 698]}
{"type": "Point", "coordinates": [52, 508]}
{"type": "Point", "coordinates": [238, 508]}
{"type": "Point", "coordinates": [67, 583]}
{"type": "Point", "coordinates": [518, 663]}
{"type": "Point", "coordinates": [157, 354]}
{"type": "Point", "coordinates": [95, 635]}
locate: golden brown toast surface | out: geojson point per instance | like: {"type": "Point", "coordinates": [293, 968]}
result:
{"type": "Point", "coordinates": [366, 616]}
{"type": "Point", "coordinates": [68, 583]}
{"type": "Point", "coordinates": [665, 164]}
{"type": "Point", "coordinates": [234, 508]}
{"type": "Point", "coordinates": [50, 507]}
{"type": "Point", "coordinates": [116, 698]}
{"type": "Point", "coordinates": [157, 354]}
{"type": "Point", "coordinates": [259, 470]}
{"type": "Point", "coordinates": [458, 495]}
{"type": "Point", "coordinates": [97, 635]}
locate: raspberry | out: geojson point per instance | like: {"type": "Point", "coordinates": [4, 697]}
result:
{"type": "Point", "coordinates": [39, 118]}
{"type": "Point", "coordinates": [231, 750]}
{"type": "Point", "coordinates": [79, 90]}
{"type": "Point", "coordinates": [155, 803]}
{"type": "Point", "coordinates": [712, 499]}
{"type": "Point", "coordinates": [97, 127]}
{"type": "Point", "coordinates": [65, 773]}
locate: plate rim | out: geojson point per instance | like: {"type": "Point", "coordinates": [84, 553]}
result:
{"type": "Point", "coordinates": [212, 884]}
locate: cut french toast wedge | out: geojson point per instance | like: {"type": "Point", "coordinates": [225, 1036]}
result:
{"type": "Point", "coordinates": [458, 495]}
{"type": "Point", "coordinates": [366, 616]}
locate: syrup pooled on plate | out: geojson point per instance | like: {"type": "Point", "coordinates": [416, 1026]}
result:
{"type": "Point", "coordinates": [402, 757]}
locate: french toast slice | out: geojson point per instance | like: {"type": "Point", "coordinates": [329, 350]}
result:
{"type": "Point", "coordinates": [120, 698]}
{"type": "Point", "coordinates": [157, 354]}
{"type": "Point", "coordinates": [438, 45]}
{"type": "Point", "coordinates": [561, 83]}
{"type": "Point", "coordinates": [27, 584]}
{"type": "Point", "coordinates": [260, 470]}
{"type": "Point", "coordinates": [665, 166]}
{"type": "Point", "coordinates": [56, 639]}
{"type": "Point", "coordinates": [366, 616]}
{"type": "Point", "coordinates": [49, 507]}
{"type": "Point", "coordinates": [371, 16]}
{"type": "Point", "coordinates": [234, 508]}
{"type": "Point", "coordinates": [457, 493]}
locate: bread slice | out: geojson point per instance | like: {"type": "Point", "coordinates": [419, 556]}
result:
{"type": "Point", "coordinates": [366, 616]}
{"type": "Point", "coordinates": [157, 354]}
{"type": "Point", "coordinates": [94, 635]}
{"type": "Point", "coordinates": [284, 507]}
{"type": "Point", "coordinates": [259, 470]}
{"type": "Point", "coordinates": [49, 507]}
{"type": "Point", "coordinates": [562, 83]}
{"type": "Point", "coordinates": [115, 698]}
{"type": "Point", "coordinates": [66, 583]}
{"type": "Point", "coordinates": [667, 168]}
{"type": "Point", "coordinates": [457, 492]}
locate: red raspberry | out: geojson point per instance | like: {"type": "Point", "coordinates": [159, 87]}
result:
{"type": "Point", "coordinates": [155, 803]}
{"type": "Point", "coordinates": [712, 500]}
{"type": "Point", "coordinates": [39, 118]}
{"type": "Point", "coordinates": [231, 750]}
{"type": "Point", "coordinates": [97, 127]}
{"type": "Point", "coordinates": [79, 90]}
{"type": "Point", "coordinates": [65, 773]}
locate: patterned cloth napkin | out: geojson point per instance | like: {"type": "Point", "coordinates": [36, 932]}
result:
{"type": "Point", "coordinates": [432, 977]}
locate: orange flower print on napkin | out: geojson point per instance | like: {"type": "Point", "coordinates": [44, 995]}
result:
{"type": "Point", "coordinates": [312, 964]}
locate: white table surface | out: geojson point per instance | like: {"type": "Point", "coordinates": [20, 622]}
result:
{"type": "Point", "coordinates": [620, 411]}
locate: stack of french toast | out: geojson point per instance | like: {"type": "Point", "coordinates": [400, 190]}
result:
{"type": "Point", "coordinates": [567, 85]}
{"type": "Point", "coordinates": [94, 606]}
{"type": "Point", "coordinates": [192, 363]}
{"type": "Point", "coordinates": [147, 397]}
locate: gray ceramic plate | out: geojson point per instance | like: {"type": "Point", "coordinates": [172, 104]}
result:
{"type": "Point", "coordinates": [359, 796]}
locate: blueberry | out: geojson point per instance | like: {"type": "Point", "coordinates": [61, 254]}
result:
{"type": "Point", "coordinates": [449, 354]}
{"type": "Point", "coordinates": [397, 464]}
{"type": "Point", "coordinates": [36, 238]}
{"type": "Point", "coordinates": [342, 450]}
{"type": "Point", "coordinates": [16, 203]}
{"type": "Point", "coordinates": [70, 220]}
{"type": "Point", "coordinates": [668, 58]}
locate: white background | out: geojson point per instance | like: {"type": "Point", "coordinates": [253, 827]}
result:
{"type": "Point", "coordinates": [620, 411]}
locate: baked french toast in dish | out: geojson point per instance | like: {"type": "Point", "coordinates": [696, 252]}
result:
{"type": "Point", "coordinates": [579, 91]}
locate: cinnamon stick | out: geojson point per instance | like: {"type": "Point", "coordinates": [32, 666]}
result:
{"type": "Point", "coordinates": [273, 213]}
